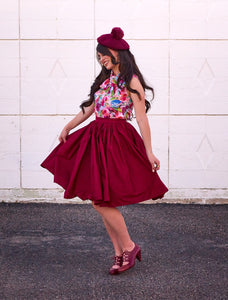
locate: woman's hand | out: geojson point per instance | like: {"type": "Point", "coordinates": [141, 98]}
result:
{"type": "Point", "coordinates": [155, 163]}
{"type": "Point", "coordinates": [63, 135]}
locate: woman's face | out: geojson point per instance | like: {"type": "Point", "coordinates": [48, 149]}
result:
{"type": "Point", "coordinates": [106, 61]}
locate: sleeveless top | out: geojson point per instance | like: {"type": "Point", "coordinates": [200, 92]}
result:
{"type": "Point", "coordinates": [112, 101]}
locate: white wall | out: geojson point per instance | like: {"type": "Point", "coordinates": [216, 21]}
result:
{"type": "Point", "coordinates": [47, 64]}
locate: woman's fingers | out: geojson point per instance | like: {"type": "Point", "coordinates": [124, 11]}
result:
{"type": "Point", "coordinates": [62, 139]}
{"type": "Point", "coordinates": [63, 136]}
{"type": "Point", "coordinates": [155, 165]}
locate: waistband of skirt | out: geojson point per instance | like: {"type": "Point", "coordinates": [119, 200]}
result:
{"type": "Point", "coordinates": [109, 120]}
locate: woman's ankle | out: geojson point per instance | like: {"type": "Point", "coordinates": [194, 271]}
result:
{"type": "Point", "coordinates": [118, 253]}
{"type": "Point", "coordinates": [129, 247]}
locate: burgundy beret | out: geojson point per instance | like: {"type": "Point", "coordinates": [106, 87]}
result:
{"type": "Point", "coordinates": [114, 40]}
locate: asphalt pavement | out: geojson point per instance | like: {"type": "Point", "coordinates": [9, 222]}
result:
{"type": "Point", "coordinates": [62, 251]}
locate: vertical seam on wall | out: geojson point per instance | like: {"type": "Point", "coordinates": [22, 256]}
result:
{"type": "Point", "coordinates": [19, 66]}
{"type": "Point", "coordinates": [169, 99]}
{"type": "Point", "coordinates": [94, 38]}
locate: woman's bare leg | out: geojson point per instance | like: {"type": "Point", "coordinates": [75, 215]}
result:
{"type": "Point", "coordinates": [116, 228]}
{"type": "Point", "coordinates": [114, 238]}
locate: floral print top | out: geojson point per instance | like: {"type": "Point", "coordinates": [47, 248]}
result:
{"type": "Point", "coordinates": [111, 101]}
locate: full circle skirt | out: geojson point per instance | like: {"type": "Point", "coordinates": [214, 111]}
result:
{"type": "Point", "coordinates": [106, 162]}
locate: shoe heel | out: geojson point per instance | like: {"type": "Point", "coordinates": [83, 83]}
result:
{"type": "Point", "coordinates": [139, 255]}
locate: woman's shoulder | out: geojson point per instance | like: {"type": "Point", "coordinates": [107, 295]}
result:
{"type": "Point", "coordinates": [135, 76]}
{"type": "Point", "coordinates": [135, 82]}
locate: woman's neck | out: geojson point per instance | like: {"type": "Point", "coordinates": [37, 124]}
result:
{"type": "Point", "coordinates": [116, 70]}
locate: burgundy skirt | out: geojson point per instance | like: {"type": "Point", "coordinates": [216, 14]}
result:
{"type": "Point", "coordinates": [106, 162]}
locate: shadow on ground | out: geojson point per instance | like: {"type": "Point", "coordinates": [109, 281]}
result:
{"type": "Point", "coordinates": [62, 251]}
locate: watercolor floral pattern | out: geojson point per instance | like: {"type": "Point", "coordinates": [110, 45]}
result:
{"type": "Point", "coordinates": [111, 101]}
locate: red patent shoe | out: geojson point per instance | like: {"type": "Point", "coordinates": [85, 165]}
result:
{"type": "Point", "coordinates": [118, 260]}
{"type": "Point", "coordinates": [129, 258]}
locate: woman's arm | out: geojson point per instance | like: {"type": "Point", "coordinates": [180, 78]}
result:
{"type": "Point", "coordinates": [78, 119]}
{"type": "Point", "coordinates": [142, 120]}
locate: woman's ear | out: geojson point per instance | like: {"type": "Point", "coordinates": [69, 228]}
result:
{"type": "Point", "coordinates": [114, 53]}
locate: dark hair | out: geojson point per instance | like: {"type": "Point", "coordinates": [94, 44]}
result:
{"type": "Point", "coordinates": [127, 67]}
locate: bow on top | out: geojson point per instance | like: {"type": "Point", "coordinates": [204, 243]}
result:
{"type": "Point", "coordinates": [111, 82]}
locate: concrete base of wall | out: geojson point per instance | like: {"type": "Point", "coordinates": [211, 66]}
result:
{"type": "Point", "coordinates": [185, 196]}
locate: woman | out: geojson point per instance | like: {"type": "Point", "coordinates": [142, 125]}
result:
{"type": "Point", "coordinates": [107, 161]}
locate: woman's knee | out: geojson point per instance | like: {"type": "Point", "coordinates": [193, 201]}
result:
{"type": "Point", "coordinates": [100, 209]}
{"type": "Point", "coordinates": [96, 206]}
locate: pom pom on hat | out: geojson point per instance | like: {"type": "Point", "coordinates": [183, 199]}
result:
{"type": "Point", "coordinates": [117, 33]}
{"type": "Point", "coordinates": [114, 40]}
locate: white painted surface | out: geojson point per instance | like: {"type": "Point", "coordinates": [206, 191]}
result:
{"type": "Point", "coordinates": [55, 75]}
{"type": "Point", "coordinates": [9, 152]}
{"type": "Point", "coordinates": [54, 19]}
{"type": "Point", "coordinates": [141, 19]}
{"type": "Point", "coordinates": [198, 19]}
{"type": "Point", "coordinates": [47, 64]}
{"type": "Point", "coordinates": [199, 77]}
{"type": "Point", "coordinates": [9, 25]}
{"type": "Point", "coordinates": [9, 77]}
